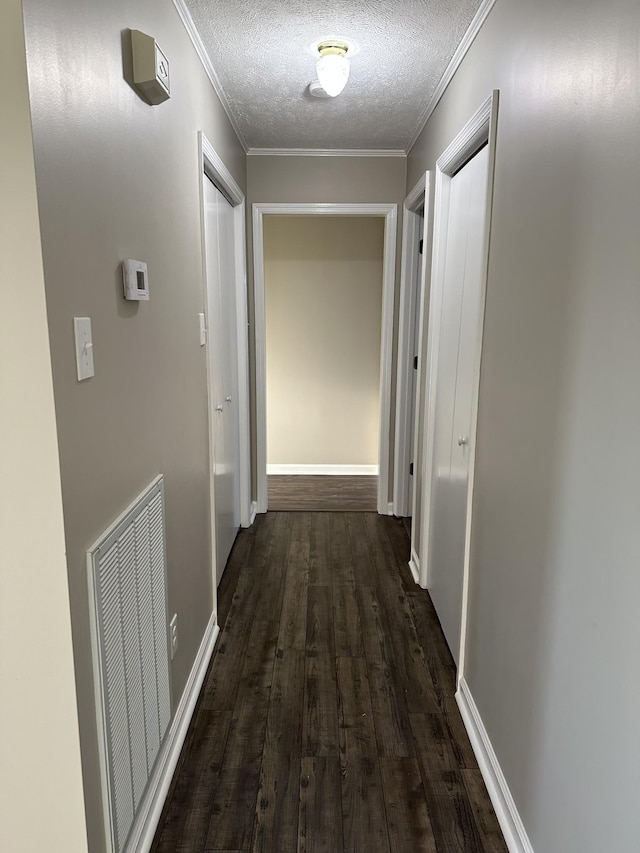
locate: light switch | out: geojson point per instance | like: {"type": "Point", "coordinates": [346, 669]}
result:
{"type": "Point", "coordinates": [84, 347]}
{"type": "Point", "coordinates": [203, 330]}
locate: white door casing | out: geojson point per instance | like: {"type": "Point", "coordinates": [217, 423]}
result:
{"type": "Point", "coordinates": [410, 277]}
{"type": "Point", "coordinates": [412, 325]}
{"type": "Point", "coordinates": [389, 212]}
{"type": "Point", "coordinates": [464, 180]}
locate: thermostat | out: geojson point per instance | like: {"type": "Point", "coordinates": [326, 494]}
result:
{"type": "Point", "coordinates": [150, 68]}
{"type": "Point", "coordinates": [136, 280]}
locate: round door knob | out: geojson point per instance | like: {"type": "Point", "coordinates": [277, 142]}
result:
{"type": "Point", "coordinates": [463, 441]}
{"type": "Point", "coordinates": [219, 408]}
{"type": "Point", "coordinates": [228, 399]}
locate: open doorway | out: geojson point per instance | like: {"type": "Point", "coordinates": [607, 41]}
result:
{"type": "Point", "coordinates": [324, 314]}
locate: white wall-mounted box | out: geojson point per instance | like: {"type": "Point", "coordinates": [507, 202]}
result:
{"type": "Point", "coordinates": [150, 68]}
{"type": "Point", "coordinates": [135, 280]}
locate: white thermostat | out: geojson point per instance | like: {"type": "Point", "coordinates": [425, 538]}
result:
{"type": "Point", "coordinates": [136, 280]}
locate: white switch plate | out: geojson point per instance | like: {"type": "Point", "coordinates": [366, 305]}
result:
{"type": "Point", "coordinates": [203, 330]}
{"type": "Point", "coordinates": [84, 347]}
{"type": "Point", "coordinates": [173, 635]}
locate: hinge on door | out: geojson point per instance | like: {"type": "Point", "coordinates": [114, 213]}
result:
{"type": "Point", "coordinates": [420, 247]}
{"type": "Point", "coordinates": [411, 469]}
{"type": "Point", "coordinates": [415, 362]}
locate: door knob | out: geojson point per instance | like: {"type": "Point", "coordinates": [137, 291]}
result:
{"type": "Point", "coordinates": [228, 399]}
{"type": "Point", "coordinates": [463, 441]}
{"type": "Point", "coordinates": [219, 408]}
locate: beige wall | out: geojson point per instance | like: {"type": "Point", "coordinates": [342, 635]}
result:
{"type": "Point", "coordinates": [340, 180]}
{"type": "Point", "coordinates": [40, 771]}
{"type": "Point", "coordinates": [553, 627]}
{"type": "Point", "coordinates": [332, 180]}
{"type": "Point", "coordinates": [119, 179]}
{"type": "Point", "coordinates": [323, 297]}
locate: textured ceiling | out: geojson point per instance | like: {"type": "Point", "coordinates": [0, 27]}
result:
{"type": "Point", "coordinates": [260, 50]}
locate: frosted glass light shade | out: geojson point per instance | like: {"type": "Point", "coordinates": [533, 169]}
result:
{"type": "Point", "coordinates": [333, 73]}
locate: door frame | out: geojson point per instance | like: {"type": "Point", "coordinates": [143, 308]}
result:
{"type": "Point", "coordinates": [480, 130]}
{"type": "Point", "coordinates": [212, 167]}
{"type": "Point", "coordinates": [390, 214]}
{"type": "Point", "coordinates": [410, 288]}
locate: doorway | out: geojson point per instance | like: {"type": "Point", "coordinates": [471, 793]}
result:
{"type": "Point", "coordinates": [323, 311]}
{"type": "Point", "coordinates": [222, 353]}
{"type": "Point", "coordinates": [223, 330]}
{"type": "Point", "coordinates": [412, 326]}
{"type": "Point", "coordinates": [464, 177]}
{"type": "Point", "coordinates": [387, 213]}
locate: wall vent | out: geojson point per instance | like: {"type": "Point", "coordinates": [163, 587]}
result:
{"type": "Point", "coordinates": [128, 592]}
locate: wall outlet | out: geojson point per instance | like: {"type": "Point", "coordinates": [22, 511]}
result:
{"type": "Point", "coordinates": [173, 634]}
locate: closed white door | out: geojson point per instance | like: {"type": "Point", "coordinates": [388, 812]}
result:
{"type": "Point", "coordinates": [415, 337]}
{"type": "Point", "coordinates": [223, 355]}
{"type": "Point", "coordinates": [457, 353]}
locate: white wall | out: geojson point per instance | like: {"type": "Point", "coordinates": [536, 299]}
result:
{"type": "Point", "coordinates": [553, 625]}
{"type": "Point", "coordinates": [116, 179]}
{"type": "Point", "coordinates": [323, 306]}
{"type": "Point", "coordinates": [40, 772]}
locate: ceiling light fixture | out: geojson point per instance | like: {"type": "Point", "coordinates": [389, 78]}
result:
{"type": "Point", "coordinates": [333, 66]}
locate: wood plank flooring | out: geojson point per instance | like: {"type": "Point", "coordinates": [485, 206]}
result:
{"type": "Point", "coordinates": [323, 493]}
{"type": "Point", "coordinates": [327, 722]}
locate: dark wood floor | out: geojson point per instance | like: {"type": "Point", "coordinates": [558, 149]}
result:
{"type": "Point", "coordinates": [323, 494]}
{"type": "Point", "coordinates": [327, 721]}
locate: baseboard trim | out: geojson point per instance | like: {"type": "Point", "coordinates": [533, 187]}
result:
{"type": "Point", "coordinates": [510, 821]}
{"type": "Point", "coordinates": [325, 470]}
{"type": "Point", "coordinates": [253, 511]}
{"type": "Point", "coordinates": [414, 566]}
{"type": "Point", "coordinates": [146, 824]}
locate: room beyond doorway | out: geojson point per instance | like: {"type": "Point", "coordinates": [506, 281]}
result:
{"type": "Point", "coordinates": [323, 311]}
{"type": "Point", "coordinates": [331, 371]}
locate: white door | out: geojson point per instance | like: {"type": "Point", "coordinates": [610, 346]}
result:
{"type": "Point", "coordinates": [223, 355]}
{"type": "Point", "coordinates": [415, 337]}
{"type": "Point", "coordinates": [460, 325]}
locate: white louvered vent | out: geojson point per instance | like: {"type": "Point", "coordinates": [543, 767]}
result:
{"type": "Point", "coordinates": [127, 581]}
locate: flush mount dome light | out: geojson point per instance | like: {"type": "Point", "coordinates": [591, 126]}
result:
{"type": "Point", "coordinates": [333, 66]}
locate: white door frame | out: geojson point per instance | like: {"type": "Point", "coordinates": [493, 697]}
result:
{"type": "Point", "coordinates": [479, 130]}
{"type": "Point", "coordinates": [389, 212]}
{"type": "Point", "coordinates": [410, 270]}
{"type": "Point", "coordinates": [211, 166]}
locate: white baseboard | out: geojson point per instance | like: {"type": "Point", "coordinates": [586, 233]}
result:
{"type": "Point", "coordinates": [511, 824]}
{"type": "Point", "coordinates": [414, 566]}
{"type": "Point", "coordinates": [146, 823]}
{"type": "Point", "coordinates": [390, 508]}
{"type": "Point", "coordinates": [253, 512]}
{"type": "Point", "coordinates": [326, 470]}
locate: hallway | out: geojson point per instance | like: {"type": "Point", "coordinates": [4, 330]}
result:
{"type": "Point", "coordinates": [327, 721]}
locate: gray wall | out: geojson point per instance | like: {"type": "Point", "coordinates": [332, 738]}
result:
{"type": "Point", "coordinates": [553, 623]}
{"type": "Point", "coordinates": [338, 180]}
{"type": "Point", "coordinates": [40, 772]}
{"type": "Point", "coordinates": [119, 179]}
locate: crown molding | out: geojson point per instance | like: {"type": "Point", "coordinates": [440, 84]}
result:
{"type": "Point", "coordinates": [474, 28]}
{"type": "Point", "coordinates": [192, 32]}
{"type": "Point", "coordinates": [326, 152]}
